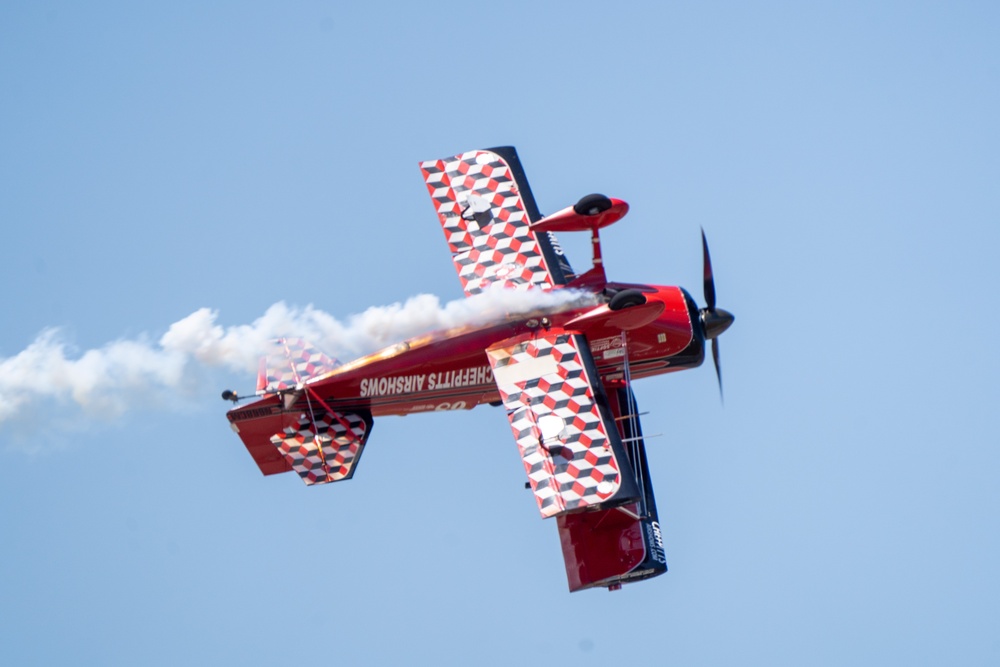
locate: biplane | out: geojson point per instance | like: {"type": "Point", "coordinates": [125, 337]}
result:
{"type": "Point", "coordinates": [563, 373]}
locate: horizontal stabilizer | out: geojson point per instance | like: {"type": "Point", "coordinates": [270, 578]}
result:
{"type": "Point", "coordinates": [320, 445]}
{"type": "Point", "coordinates": [323, 447]}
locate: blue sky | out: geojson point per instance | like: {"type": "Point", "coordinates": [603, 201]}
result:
{"type": "Point", "coordinates": [844, 160]}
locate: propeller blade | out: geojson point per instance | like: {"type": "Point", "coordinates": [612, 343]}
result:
{"type": "Point", "coordinates": [708, 277]}
{"type": "Point", "coordinates": [718, 367]}
{"type": "Point", "coordinates": [714, 321]}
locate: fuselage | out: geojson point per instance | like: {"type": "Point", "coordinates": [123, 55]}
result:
{"type": "Point", "coordinates": [448, 370]}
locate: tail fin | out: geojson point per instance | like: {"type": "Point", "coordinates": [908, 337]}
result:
{"type": "Point", "coordinates": [291, 362]}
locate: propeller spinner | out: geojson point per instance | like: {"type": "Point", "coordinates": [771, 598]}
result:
{"type": "Point", "coordinates": [714, 321]}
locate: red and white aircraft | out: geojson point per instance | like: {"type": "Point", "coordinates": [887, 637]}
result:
{"type": "Point", "coordinates": [563, 373]}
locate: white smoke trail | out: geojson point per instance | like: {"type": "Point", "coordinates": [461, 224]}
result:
{"type": "Point", "coordinates": [112, 379]}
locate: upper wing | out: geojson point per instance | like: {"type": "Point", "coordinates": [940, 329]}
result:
{"type": "Point", "coordinates": [485, 206]}
{"type": "Point", "coordinates": [567, 437]}
{"type": "Point", "coordinates": [320, 445]}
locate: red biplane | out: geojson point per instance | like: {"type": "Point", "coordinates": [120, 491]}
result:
{"type": "Point", "coordinates": [562, 373]}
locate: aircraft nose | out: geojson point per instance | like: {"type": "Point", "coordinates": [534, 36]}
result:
{"type": "Point", "coordinates": [716, 321]}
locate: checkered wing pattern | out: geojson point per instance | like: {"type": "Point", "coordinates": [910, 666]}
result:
{"type": "Point", "coordinates": [486, 222]}
{"type": "Point", "coordinates": [324, 447]}
{"type": "Point", "coordinates": [569, 445]}
{"type": "Point", "coordinates": [290, 362]}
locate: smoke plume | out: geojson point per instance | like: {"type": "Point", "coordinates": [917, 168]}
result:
{"type": "Point", "coordinates": [122, 374]}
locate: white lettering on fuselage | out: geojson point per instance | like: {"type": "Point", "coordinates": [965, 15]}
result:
{"type": "Point", "coordinates": [408, 384]}
{"type": "Point", "coordinates": [389, 386]}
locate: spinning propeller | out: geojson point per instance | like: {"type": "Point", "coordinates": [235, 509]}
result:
{"type": "Point", "coordinates": [714, 320]}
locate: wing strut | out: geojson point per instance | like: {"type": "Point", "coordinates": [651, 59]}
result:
{"type": "Point", "coordinates": [631, 417]}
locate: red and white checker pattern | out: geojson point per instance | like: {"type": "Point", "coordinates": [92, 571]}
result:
{"type": "Point", "coordinates": [557, 424]}
{"type": "Point", "coordinates": [485, 222]}
{"type": "Point", "coordinates": [323, 449]}
{"type": "Point", "coordinates": [293, 360]}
